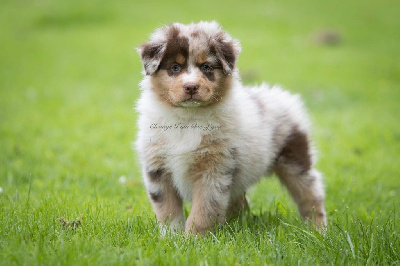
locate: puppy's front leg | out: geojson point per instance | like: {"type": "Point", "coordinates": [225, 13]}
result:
{"type": "Point", "coordinates": [166, 202]}
{"type": "Point", "coordinates": [209, 205]}
{"type": "Point", "coordinates": [211, 192]}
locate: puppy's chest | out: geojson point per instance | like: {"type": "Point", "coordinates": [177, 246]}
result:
{"type": "Point", "coordinates": [178, 146]}
{"type": "Point", "coordinates": [175, 139]}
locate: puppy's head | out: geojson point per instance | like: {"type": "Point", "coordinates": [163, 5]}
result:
{"type": "Point", "coordinates": [190, 65]}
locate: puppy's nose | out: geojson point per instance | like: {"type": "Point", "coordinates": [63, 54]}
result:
{"type": "Point", "coordinates": [191, 88]}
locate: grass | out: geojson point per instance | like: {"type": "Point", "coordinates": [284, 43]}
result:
{"type": "Point", "coordinates": [68, 83]}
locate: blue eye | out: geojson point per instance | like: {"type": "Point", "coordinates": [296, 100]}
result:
{"type": "Point", "coordinates": [206, 68]}
{"type": "Point", "coordinates": [176, 68]}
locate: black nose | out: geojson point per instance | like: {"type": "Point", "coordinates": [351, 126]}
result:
{"type": "Point", "coordinates": [191, 88]}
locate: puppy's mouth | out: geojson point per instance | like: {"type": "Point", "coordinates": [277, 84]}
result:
{"type": "Point", "coordinates": [191, 103]}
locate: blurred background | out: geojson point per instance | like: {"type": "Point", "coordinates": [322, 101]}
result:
{"type": "Point", "coordinates": [69, 75]}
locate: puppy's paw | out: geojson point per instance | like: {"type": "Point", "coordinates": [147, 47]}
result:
{"type": "Point", "coordinates": [173, 228]}
{"type": "Point", "coordinates": [318, 221]}
{"type": "Point", "coordinates": [191, 228]}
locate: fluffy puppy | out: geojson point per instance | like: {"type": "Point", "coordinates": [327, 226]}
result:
{"type": "Point", "coordinates": [205, 137]}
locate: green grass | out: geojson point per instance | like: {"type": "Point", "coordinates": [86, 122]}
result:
{"type": "Point", "coordinates": [68, 84]}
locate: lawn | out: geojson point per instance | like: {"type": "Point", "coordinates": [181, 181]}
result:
{"type": "Point", "coordinates": [70, 184]}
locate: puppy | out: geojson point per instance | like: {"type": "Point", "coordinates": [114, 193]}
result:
{"type": "Point", "coordinates": [206, 138]}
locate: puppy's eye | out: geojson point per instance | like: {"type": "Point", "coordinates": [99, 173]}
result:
{"type": "Point", "coordinates": [176, 68]}
{"type": "Point", "coordinates": [206, 68]}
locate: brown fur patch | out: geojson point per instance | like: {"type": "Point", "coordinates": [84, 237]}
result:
{"type": "Point", "coordinates": [296, 150]}
{"type": "Point", "coordinates": [180, 59]}
{"type": "Point", "coordinates": [228, 55]}
{"type": "Point", "coordinates": [177, 50]}
{"type": "Point", "coordinates": [213, 157]}
{"type": "Point", "coordinates": [201, 58]}
{"type": "Point", "coordinates": [176, 44]}
{"type": "Point", "coordinates": [225, 52]}
{"type": "Point", "coordinates": [156, 196]}
{"type": "Point", "coordinates": [155, 175]}
{"type": "Point", "coordinates": [196, 33]}
{"type": "Point", "coordinates": [151, 56]}
{"type": "Point", "coordinates": [210, 76]}
{"type": "Point", "coordinates": [151, 50]}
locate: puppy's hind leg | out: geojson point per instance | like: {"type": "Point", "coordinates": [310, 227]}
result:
{"type": "Point", "coordinates": [304, 183]}
{"type": "Point", "coordinates": [237, 205]}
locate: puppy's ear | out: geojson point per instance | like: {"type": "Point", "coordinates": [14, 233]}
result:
{"type": "Point", "coordinates": [151, 54]}
{"type": "Point", "coordinates": [227, 51]}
